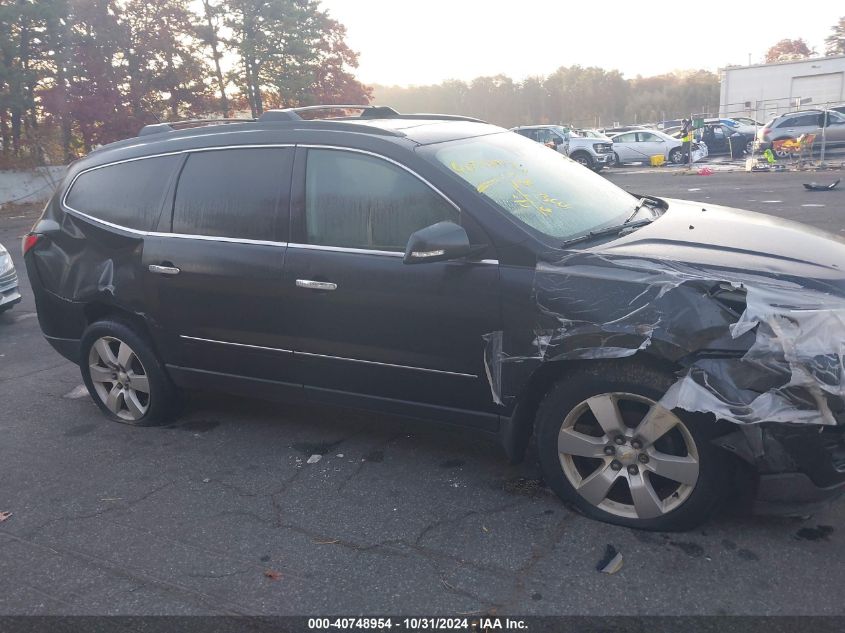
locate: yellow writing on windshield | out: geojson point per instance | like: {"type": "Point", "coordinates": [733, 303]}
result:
{"type": "Point", "coordinates": [521, 184]}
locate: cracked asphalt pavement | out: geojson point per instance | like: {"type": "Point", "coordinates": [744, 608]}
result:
{"type": "Point", "coordinates": [220, 513]}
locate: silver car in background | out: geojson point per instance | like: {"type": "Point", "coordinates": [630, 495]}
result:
{"type": "Point", "coordinates": [640, 146]}
{"type": "Point", "coordinates": [9, 294]}
{"type": "Point", "coordinates": [792, 125]}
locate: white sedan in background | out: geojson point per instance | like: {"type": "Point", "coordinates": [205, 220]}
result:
{"type": "Point", "coordinates": [640, 146]}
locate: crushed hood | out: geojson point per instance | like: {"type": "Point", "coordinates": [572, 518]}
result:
{"type": "Point", "coordinates": [725, 238]}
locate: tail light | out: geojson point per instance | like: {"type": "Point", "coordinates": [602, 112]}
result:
{"type": "Point", "coordinates": [29, 241]}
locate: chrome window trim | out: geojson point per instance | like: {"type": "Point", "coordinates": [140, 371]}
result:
{"type": "Point", "coordinates": [211, 340]}
{"type": "Point", "coordinates": [345, 249]}
{"type": "Point", "coordinates": [120, 227]}
{"type": "Point", "coordinates": [313, 355]}
{"type": "Point", "coordinates": [237, 240]}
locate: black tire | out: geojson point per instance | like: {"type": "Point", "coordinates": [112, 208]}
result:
{"type": "Point", "coordinates": [160, 403]}
{"type": "Point", "coordinates": [749, 147]}
{"type": "Point", "coordinates": [779, 153]}
{"type": "Point", "coordinates": [583, 158]}
{"type": "Point", "coordinates": [616, 161]}
{"type": "Point", "coordinates": [568, 396]}
{"type": "Point", "coordinates": [676, 156]}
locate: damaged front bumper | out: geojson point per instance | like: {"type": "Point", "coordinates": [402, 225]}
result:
{"type": "Point", "coordinates": [799, 468]}
{"type": "Point", "coordinates": [764, 352]}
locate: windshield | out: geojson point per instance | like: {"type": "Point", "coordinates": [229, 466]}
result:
{"type": "Point", "coordinates": [536, 185]}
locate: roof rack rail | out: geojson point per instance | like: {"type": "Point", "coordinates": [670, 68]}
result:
{"type": "Point", "coordinates": [367, 112]}
{"type": "Point", "coordinates": [158, 128]}
{"type": "Point", "coordinates": [292, 114]}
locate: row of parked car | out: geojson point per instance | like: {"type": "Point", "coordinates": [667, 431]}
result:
{"type": "Point", "coordinates": [733, 137]}
{"type": "Point", "coordinates": [595, 149]}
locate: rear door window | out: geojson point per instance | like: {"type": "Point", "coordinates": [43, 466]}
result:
{"type": "Point", "coordinates": [129, 194]}
{"type": "Point", "coordinates": [234, 193]}
{"type": "Point", "coordinates": [359, 201]}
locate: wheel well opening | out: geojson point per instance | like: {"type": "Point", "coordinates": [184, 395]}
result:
{"type": "Point", "coordinates": [99, 311]}
{"type": "Point", "coordinates": [519, 428]}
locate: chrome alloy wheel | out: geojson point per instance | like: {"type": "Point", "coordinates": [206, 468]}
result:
{"type": "Point", "coordinates": [628, 455]}
{"type": "Point", "coordinates": [119, 378]}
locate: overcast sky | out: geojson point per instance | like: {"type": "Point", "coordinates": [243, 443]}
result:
{"type": "Point", "coordinates": [406, 42]}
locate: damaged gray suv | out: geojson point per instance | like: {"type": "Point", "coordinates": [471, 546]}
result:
{"type": "Point", "coordinates": [664, 355]}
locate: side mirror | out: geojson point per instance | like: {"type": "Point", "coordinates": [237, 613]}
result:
{"type": "Point", "coordinates": [437, 243]}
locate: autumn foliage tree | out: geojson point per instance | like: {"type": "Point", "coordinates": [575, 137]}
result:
{"type": "Point", "coordinates": [788, 49]}
{"type": "Point", "coordinates": [93, 71]}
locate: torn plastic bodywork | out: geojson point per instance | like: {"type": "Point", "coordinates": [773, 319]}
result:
{"type": "Point", "coordinates": [752, 347]}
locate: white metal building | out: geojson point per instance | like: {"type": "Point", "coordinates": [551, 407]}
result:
{"type": "Point", "coordinates": [763, 91]}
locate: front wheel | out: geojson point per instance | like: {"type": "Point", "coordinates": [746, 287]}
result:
{"type": "Point", "coordinates": [124, 376]}
{"type": "Point", "coordinates": [607, 446]}
{"type": "Point", "coordinates": [583, 159]}
{"type": "Point", "coordinates": [676, 156]}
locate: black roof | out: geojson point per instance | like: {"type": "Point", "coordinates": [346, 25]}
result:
{"type": "Point", "coordinates": [376, 128]}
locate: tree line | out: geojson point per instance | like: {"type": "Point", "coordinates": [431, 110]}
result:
{"type": "Point", "coordinates": [584, 97]}
{"type": "Point", "coordinates": [75, 74]}
{"type": "Point", "coordinates": [78, 73]}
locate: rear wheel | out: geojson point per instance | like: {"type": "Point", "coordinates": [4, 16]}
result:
{"type": "Point", "coordinates": [779, 152]}
{"type": "Point", "coordinates": [607, 446]}
{"type": "Point", "coordinates": [124, 376]}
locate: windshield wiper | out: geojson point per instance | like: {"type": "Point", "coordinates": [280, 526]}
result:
{"type": "Point", "coordinates": [611, 230]}
{"type": "Point", "coordinates": [627, 226]}
{"type": "Point", "coordinates": [640, 204]}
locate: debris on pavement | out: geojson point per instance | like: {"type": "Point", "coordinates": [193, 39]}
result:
{"type": "Point", "coordinates": [272, 574]}
{"type": "Point", "coordinates": [818, 533]}
{"type": "Point", "coordinates": [314, 458]}
{"type": "Point", "coordinates": [814, 186]}
{"type": "Point", "coordinates": [611, 562]}
{"type": "Point", "coordinates": [4, 516]}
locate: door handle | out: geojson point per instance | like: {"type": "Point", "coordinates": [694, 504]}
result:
{"type": "Point", "coordinates": [316, 285]}
{"type": "Point", "coordinates": [164, 270]}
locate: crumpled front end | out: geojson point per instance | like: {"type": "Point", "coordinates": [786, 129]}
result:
{"type": "Point", "coordinates": [752, 348]}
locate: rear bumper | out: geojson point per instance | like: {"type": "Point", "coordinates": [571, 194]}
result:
{"type": "Point", "coordinates": [9, 294]}
{"type": "Point", "coordinates": [67, 347]}
{"type": "Point", "coordinates": [9, 297]}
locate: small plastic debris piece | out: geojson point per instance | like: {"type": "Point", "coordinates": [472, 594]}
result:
{"type": "Point", "coordinates": [272, 574]}
{"type": "Point", "coordinates": [340, 454]}
{"type": "Point", "coordinates": [4, 516]}
{"type": "Point", "coordinates": [611, 562]}
{"type": "Point", "coordinates": [314, 458]}
{"type": "Point", "coordinates": [206, 480]}
{"type": "Point", "coordinates": [814, 186]}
